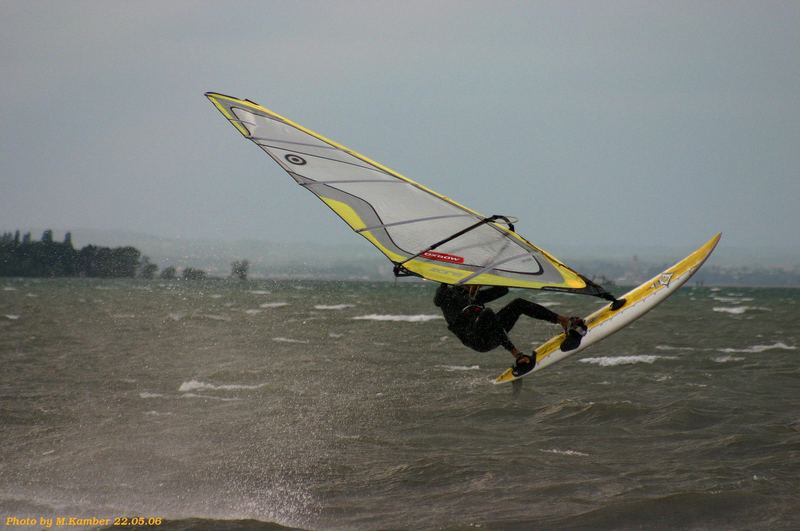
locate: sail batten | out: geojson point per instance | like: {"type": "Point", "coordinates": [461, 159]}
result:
{"type": "Point", "coordinates": [402, 222]}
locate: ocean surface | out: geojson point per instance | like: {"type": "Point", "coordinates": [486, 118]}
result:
{"type": "Point", "coordinates": [344, 405]}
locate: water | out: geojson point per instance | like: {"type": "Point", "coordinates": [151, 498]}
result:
{"type": "Point", "coordinates": [349, 406]}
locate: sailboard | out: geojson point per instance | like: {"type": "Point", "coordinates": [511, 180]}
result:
{"type": "Point", "coordinates": [422, 232]}
{"type": "Point", "coordinates": [605, 321]}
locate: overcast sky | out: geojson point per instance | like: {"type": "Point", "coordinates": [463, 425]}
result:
{"type": "Point", "coordinates": [606, 122]}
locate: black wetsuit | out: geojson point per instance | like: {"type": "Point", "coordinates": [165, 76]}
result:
{"type": "Point", "coordinates": [478, 327]}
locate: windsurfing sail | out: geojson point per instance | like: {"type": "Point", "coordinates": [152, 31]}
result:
{"type": "Point", "coordinates": [422, 232]}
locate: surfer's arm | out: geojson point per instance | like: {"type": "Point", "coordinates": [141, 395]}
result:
{"type": "Point", "coordinates": [487, 295]}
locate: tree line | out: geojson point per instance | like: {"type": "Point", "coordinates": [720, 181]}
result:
{"type": "Point", "coordinates": [25, 257]}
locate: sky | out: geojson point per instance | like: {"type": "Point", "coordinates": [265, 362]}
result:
{"type": "Point", "coordinates": [604, 123]}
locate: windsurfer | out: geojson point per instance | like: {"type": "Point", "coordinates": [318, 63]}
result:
{"type": "Point", "coordinates": [481, 329]}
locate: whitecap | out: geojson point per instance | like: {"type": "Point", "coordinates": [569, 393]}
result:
{"type": "Point", "coordinates": [738, 310]}
{"type": "Point", "coordinates": [177, 316]}
{"type": "Point", "coordinates": [150, 395]}
{"type": "Point", "coordinates": [333, 306]}
{"type": "Point", "coordinates": [668, 347]}
{"type": "Point", "coordinates": [565, 452]}
{"type": "Point", "coordinates": [759, 348]}
{"type": "Point", "coordinates": [273, 304]}
{"type": "Point", "coordinates": [207, 397]}
{"type": "Point", "coordinates": [11, 317]}
{"type": "Point", "coordinates": [9, 288]}
{"type": "Point", "coordinates": [215, 296]}
{"type": "Point", "coordinates": [733, 299]}
{"type": "Point", "coordinates": [454, 368]}
{"type": "Point", "coordinates": [726, 359]}
{"type": "Point", "coordinates": [334, 335]}
{"type": "Point", "coordinates": [253, 312]}
{"type": "Point", "coordinates": [259, 292]}
{"type": "Point", "coordinates": [611, 361]}
{"type": "Point", "coordinates": [290, 340]}
{"type": "Point", "coordinates": [194, 385]}
{"type": "Point", "coordinates": [217, 317]}
{"type": "Point", "coordinates": [407, 318]}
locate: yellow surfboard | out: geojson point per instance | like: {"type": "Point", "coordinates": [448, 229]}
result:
{"type": "Point", "coordinates": [638, 301]}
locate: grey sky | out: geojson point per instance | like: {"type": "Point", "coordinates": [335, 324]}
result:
{"type": "Point", "coordinates": [634, 123]}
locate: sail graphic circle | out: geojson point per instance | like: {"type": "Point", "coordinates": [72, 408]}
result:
{"type": "Point", "coordinates": [295, 159]}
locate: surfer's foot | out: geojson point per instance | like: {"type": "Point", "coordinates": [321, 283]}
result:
{"type": "Point", "coordinates": [525, 363]}
{"type": "Point", "coordinates": [578, 325]}
{"type": "Point", "coordinates": [575, 324]}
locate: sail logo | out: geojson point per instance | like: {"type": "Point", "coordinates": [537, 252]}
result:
{"type": "Point", "coordinates": [295, 159]}
{"type": "Point", "coordinates": [663, 281]}
{"type": "Point", "coordinates": [443, 257]}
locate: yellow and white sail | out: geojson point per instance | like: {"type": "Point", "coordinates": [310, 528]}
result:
{"type": "Point", "coordinates": [403, 219]}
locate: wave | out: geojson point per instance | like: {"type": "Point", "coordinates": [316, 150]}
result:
{"type": "Point", "coordinates": [733, 299]}
{"type": "Point", "coordinates": [407, 318]}
{"type": "Point", "coordinates": [726, 359]}
{"type": "Point", "coordinates": [333, 306]}
{"type": "Point", "coordinates": [216, 317]}
{"type": "Point", "coordinates": [273, 304]}
{"type": "Point", "coordinates": [176, 316]}
{"type": "Point", "coordinates": [668, 347]}
{"type": "Point", "coordinates": [759, 348]}
{"type": "Point", "coordinates": [612, 361]}
{"type": "Point", "coordinates": [290, 340]}
{"type": "Point", "coordinates": [454, 368]}
{"type": "Point", "coordinates": [150, 395]}
{"type": "Point", "coordinates": [208, 397]}
{"type": "Point", "coordinates": [738, 310]}
{"type": "Point", "coordinates": [194, 385]}
{"type": "Point", "coordinates": [259, 292]}
{"type": "Point", "coordinates": [9, 288]}
{"type": "Point", "coordinates": [565, 452]}
{"type": "Point", "coordinates": [253, 312]}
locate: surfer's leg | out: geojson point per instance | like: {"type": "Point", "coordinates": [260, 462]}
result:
{"type": "Point", "coordinates": [511, 312]}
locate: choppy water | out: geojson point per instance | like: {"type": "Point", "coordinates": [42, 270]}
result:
{"type": "Point", "coordinates": [347, 405]}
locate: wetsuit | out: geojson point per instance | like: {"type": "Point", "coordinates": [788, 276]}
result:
{"type": "Point", "coordinates": [478, 327]}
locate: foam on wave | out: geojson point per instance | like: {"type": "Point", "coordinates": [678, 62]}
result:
{"type": "Point", "coordinates": [420, 318]}
{"type": "Point", "coordinates": [611, 361]}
